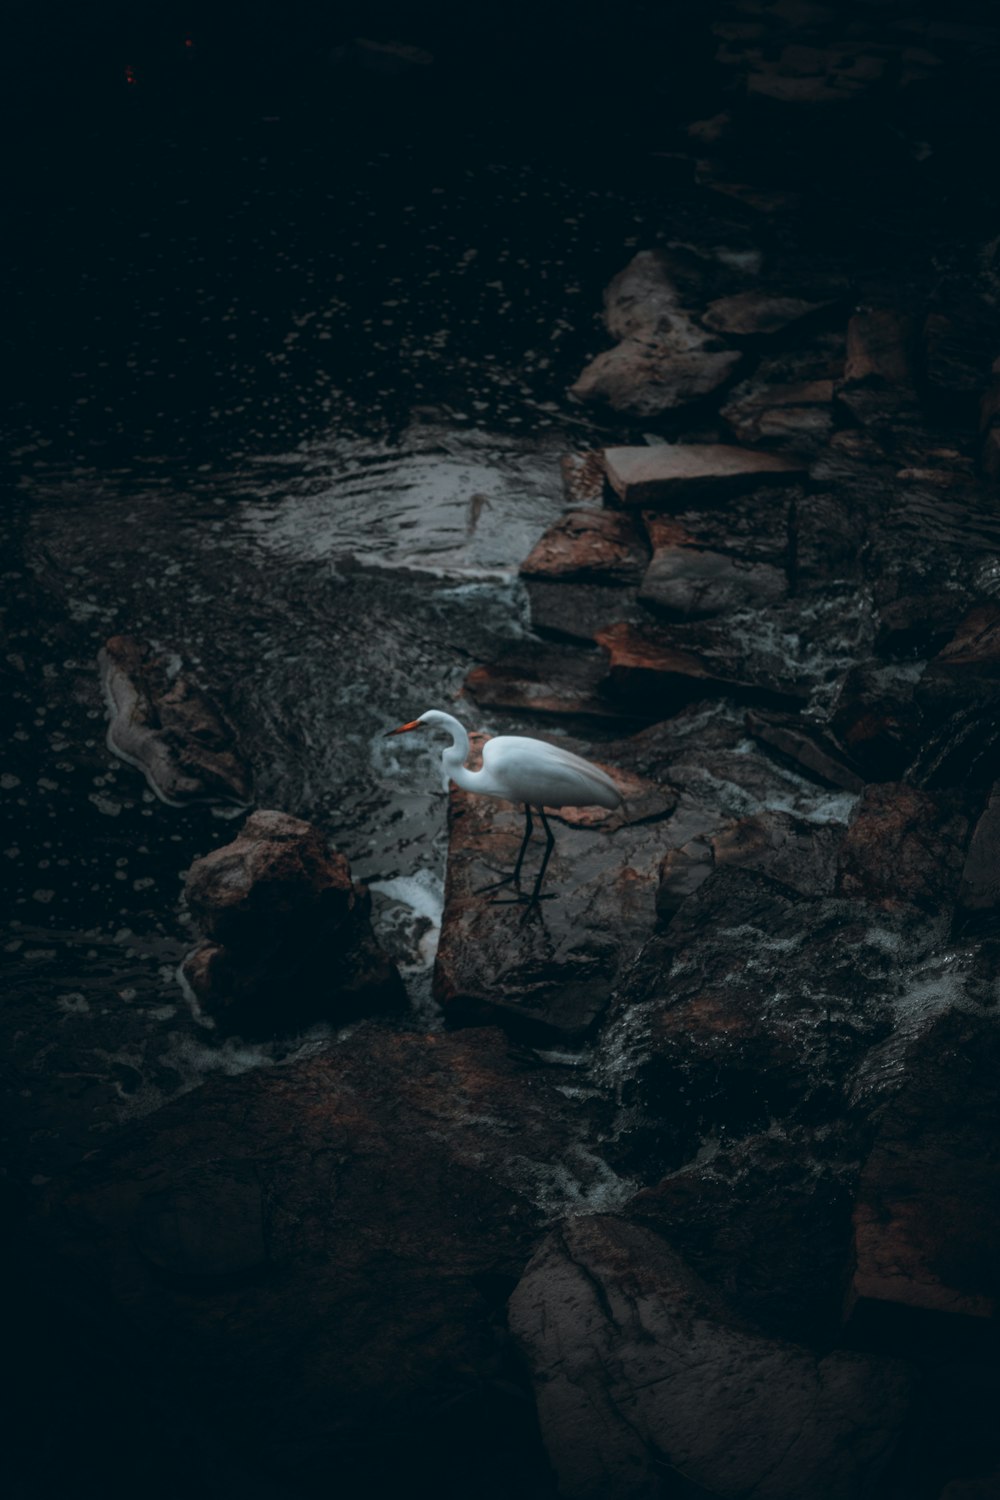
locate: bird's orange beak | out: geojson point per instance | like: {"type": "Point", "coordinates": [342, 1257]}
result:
{"type": "Point", "coordinates": [405, 728]}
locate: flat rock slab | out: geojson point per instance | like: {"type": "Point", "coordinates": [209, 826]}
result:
{"type": "Point", "coordinates": [589, 546]}
{"type": "Point", "coordinates": [162, 723]}
{"type": "Point", "coordinates": [548, 977]}
{"type": "Point", "coordinates": [807, 747]}
{"type": "Point", "coordinates": [635, 1359]}
{"type": "Point", "coordinates": [553, 680]}
{"type": "Point", "coordinates": [311, 1250]}
{"type": "Point", "coordinates": [675, 474]}
{"type": "Point", "coordinates": [660, 670]}
{"type": "Point", "coordinates": [749, 314]}
{"type": "Point", "coordinates": [800, 411]}
{"type": "Point", "coordinates": [927, 1217]}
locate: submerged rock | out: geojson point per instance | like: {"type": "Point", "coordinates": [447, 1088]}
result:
{"type": "Point", "coordinates": [289, 938]}
{"type": "Point", "coordinates": [640, 1368]}
{"type": "Point", "coordinates": [163, 724]}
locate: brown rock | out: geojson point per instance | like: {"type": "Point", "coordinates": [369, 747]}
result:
{"type": "Point", "coordinates": [634, 1358]}
{"type": "Point", "coordinates": [927, 1217]}
{"type": "Point", "coordinates": [652, 668]}
{"type": "Point", "coordinates": [289, 933]}
{"type": "Point", "coordinates": [879, 348]}
{"type": "Point", "coordinates": [552, 679]}
{"type": "Point", "coordinates": [752, 313]}
{"type": "Point", "coordinates": [550, 977]}
{"type": "Point", "coordinates": [904, 846]}
{"type": "Point", "coordinates": [583, 478]}
{"type": "Point", "coordinates": [318, 1250]}
{"type": "Point", "coordinates": [877, 721]}
{"type": "Point", "coordinates": [672, 475]}
{"type": "Point", "coordinates": [168, 728]}
{"type": "Point", "coordinates": [664, 359]}
{"type": "Point", "coordinates": [589, 546]}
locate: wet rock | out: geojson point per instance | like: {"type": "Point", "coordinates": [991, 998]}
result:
{"type": "Point", "coordinates": [674, 474]}
{"type": "Point", "coordinates": [749, 314]}
{"type": "Point", "coordinates": [319, 1250]}
{"type": "Point", "coordinates": [800, 413]}
{"type": "Point", "coordinates": [799, 854]}
{"type": "Point", "coordinates": [637, 1363]}
{"type": "Point", "coordinates": [591, 546]}
{"type": "Point", "coordinates": [958, 694]}
{"type": "Point", "coordinates": [163, 724]}
{"type": "Point", "coordinates": [688, 583]}
{"type": "Point", "coordinates": [877, 721]}
{"type": "Point", "coordinates": [980, 887]}
{"type": "Point", "coordinates": [577, 575]}
{"type": "Point", "coordinates": [927, 1217]}
{"type": "Point", "coordinates": [751, 1005]}
{"type": "Point", "coordinates": [918, 625]}
{"type": "Point", "coordinates": [806, 747]}
{"type": "Point", "coordinates": [553, 679]}
{"type": "Point", "coordinates": [548, 977]}
{"type": "Point", "coordinates": [751, 527]}
{"type": "Point", "coordinates": [958, 347]}
{"type": "Point", "coordinates": [289, 935]}
{"type": "Point", "coordinates": [583, 478]}
{"type": "Point", "coordinates": [879, 370]}
{"type": "Point", "coordinates": [662, 670]}
{"type": "Point", "coordinates": [904, 845]}
{"type": "Point", "coordinates": [664, 359]}
{"type": "Point", "coordinates": [767, 1220]}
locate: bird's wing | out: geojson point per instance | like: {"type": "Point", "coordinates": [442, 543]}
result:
{"type": "Point", "coordinates": [562, 778]}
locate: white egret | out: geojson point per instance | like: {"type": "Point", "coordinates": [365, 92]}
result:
{"type": "Point", "coordinates": [524, 770]}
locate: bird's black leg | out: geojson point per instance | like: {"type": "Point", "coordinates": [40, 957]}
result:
{"type": "Point", "coordinates": [550, 843]}
{"type": "Point", "coordinates": [515, 878]}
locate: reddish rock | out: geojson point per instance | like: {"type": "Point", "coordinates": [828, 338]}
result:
{"type": "Point", "coordinates": [589, 546]}
{"type": "Point", "coordinates": [289, 936]}
{"type": "Point", "coordinates": [553, 679]}
{"type": "Point", "coordinates": [675, 474]}
{"type": "Point", "coordinates": [318, 1251]}
{"type": "Point", "coordinates": [635, 1359]}
{"type": "Point", "coordinates": [549, 977]}
{"type": "Point", "coordinates": [664, 359]}
{"type": "Point", "coordinates": [879, 349]}
{"type": "Point", "coordinates": [927, 1216]}
{"type": "Point", "coordinates": [753, 313]}
{"type": "Point", "coordinates": [904, 845]}
{"type": "Point", "coordinates": [653, 668]}
{"type": "Point", "coordinates": [163, 724]}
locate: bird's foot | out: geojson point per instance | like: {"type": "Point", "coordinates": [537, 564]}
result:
{"type": "Point", "coordinates": [496, 885]}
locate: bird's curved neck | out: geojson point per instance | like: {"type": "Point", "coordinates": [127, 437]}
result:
{"type": "Point", "coordinates": [453, 757]}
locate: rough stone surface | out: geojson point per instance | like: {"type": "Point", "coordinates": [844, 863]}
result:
{"type": "Point", "coordinates": [548, 977]}
{"type": "Point", "coordinates": [662, 669]}
{"type": "Point", "coordinates": [322, 1247]}
{"type": "Point", "coordinates": [289, 936]}
{"type": "Point", "coordinates": [634, 1357]}
{"type": "Point", "coordinates": [980, 886]}
{"type": "Point", "coordinates": [904, 846]}
{"type": "Point", "coordinates": [664, 358]}
{"type": "Point", "coordinates": [589, 546]}
{"type": "Point", "coordinates": [168, 728]}
{"type": "Point", "coordinates": [799, 854]}
{"type": "Point", "coordinates": [800, 413]}
{"type": "Point", "coordinates": [673, 474]}
{"type": "Point", "coordinates": [748, 314]}
{"type": "Point", "coordinates": [805, 746]}
{"type": "Point", "coordinates": [877, 721]}
{"type": "Point", "coordinates": [688, 583]}
{"type": "Point", "coordinates": [927, 1216]}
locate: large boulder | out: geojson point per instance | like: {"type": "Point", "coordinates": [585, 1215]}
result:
{"type": "Point", "coordinates": [317, 1254]}
{"type": "Point", "coordinates": [288, 938]}
{"type": "Point", "coordinates": [642, 1373]}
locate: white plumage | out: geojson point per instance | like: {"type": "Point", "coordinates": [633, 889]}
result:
{"type": "Point", "coordinates": [523, 770]}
